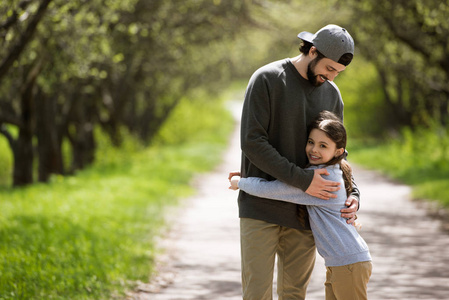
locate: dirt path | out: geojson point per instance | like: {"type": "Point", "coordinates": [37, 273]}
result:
{"type": "Point", "coordinates": [410, 251]}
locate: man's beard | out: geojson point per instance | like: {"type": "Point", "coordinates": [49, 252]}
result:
{"type": "Point", "coordinates": [311, 76]}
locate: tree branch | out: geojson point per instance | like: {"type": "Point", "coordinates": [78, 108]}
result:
{"type": "Point", "coordinates": [24, 39]}
{"type": "Point", "coordinates": [14, 17]}
{"type": "Point", "coordinates": [5, 118]}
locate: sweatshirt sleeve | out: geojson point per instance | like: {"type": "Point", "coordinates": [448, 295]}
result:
{"type": "Point", "coordinates": [255, 141]}
{"type": "Point", "coordinates": [277, 190]}
{"type": "Point", "coordinates": [355, 189]}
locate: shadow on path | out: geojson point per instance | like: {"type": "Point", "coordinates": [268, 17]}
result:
{"type": "Point", "coordinates": [410, 250]}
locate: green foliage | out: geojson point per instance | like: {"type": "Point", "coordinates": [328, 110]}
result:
{"type": "Point", "coordinates": [180, 130]}
{"type": "Point", "coordinates": [273, 35]}
{"type": "Point", "coordinates": [407, 42]}
{"type": "Point", "coordinates": [418, 158]}
{"type": "Point", "coordinates": [403, 43]}
{"type": "Point", "coordinates": [363, 99]}
{"type": "Point", "coordinates": [91, 236]}
{"type": "Point", "coordinates": [114, 63]}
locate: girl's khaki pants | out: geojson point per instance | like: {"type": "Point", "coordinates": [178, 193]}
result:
{"type": "Point", "coordinates": [348, 282]}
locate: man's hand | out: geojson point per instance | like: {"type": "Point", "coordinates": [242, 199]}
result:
{"type": "Point", "coordinates": [350, 213]}
{"type": "Point", "coordinates": [322, 188]}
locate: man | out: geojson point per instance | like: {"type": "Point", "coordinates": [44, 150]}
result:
{"type": "Point", "coordinates": [280, 100]}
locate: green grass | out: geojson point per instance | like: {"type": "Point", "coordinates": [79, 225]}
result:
{"type": "Point", "coordinates": [91, 236]}
{"type": "Point", "coordinates": [418, 158]}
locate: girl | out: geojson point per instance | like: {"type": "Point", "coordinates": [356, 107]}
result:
{"type": "Point", "coordinates": [346, 255]}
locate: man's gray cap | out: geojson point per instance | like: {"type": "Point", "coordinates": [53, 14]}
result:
{"type": "Point", "coordinates": [332, 41]}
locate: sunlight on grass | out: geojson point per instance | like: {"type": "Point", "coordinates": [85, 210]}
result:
{"type": "Point", "coordinates": [91, 236]}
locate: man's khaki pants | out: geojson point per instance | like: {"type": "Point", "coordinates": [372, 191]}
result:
{"type": "Point", "coordinates": [348, 282]}
{"type": "Point", "coordinates": [260, 241]}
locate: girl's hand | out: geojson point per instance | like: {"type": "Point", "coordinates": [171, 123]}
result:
{"type": "Point", "coordinates": [234, 178]}
{"type": "Point", "coordinates": [234, 183]}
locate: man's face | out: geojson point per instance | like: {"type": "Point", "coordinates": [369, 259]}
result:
{"type": "Point", "coordinates": [320, 70]}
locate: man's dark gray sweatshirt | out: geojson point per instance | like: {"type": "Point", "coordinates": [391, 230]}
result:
{"type": "Point", "coordinates": [279, 104]}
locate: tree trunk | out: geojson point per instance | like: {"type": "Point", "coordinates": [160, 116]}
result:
{"type": "Point", "coordinates": [82, 137]}
{"type": "Point", "coordinates": [23, 153]}
{"type": "Point", "coordinates": [151, 121]}
{"type": "Point", "coordinates": [49, 142]}
{"type": "Point", "coordinates": [83, 147]}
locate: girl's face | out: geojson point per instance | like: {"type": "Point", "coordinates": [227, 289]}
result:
{"type": "Point", "coordinates": [320, 148]}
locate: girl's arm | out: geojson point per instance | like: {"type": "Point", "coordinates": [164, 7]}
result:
{"type": "Point", "coordinates": [276, 190]}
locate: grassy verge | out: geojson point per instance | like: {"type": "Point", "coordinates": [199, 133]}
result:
{"type": "Point", "coordinates": [90, 236]}
{"type": "Point", "coordinates": [419, 159]}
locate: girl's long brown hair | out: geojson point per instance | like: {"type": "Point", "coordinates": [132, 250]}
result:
{"type": "Point", "coordinates": [335, 130]}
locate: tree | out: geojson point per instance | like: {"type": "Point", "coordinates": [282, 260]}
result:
{"type": "Point", "coordinates": [110, 63]}
{"type": "Point", "coordinates": [407, 41]}
{"type": "Point", "coordinates": [23, 118]}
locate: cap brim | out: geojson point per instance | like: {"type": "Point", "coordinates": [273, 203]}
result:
{"type": "Point", "coordinates": [306, 36]}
